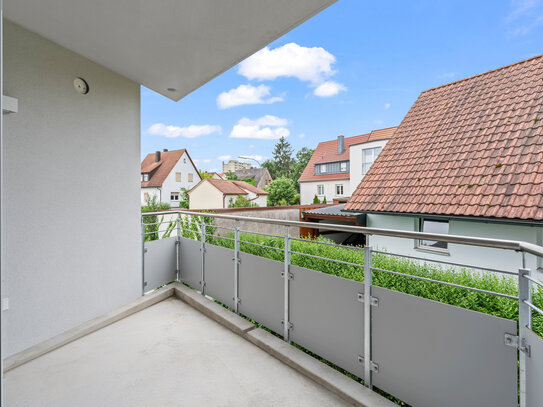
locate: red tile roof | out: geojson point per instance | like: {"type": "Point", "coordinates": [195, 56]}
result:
{"type": "Point", "coordinates": [469, 148]}
{"type": "Point", "coordinates": [327, 152]}
{"type": "Point", "coordinates": [158, 171]}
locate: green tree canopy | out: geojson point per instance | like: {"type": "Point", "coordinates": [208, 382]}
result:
{"type": "Point", "coordinates": [282, 155]}
{"type": "Point", "coordinates": [231, 176]}
{"type": "Point", "coordinates": [282, 191]}
{"type": "Point", "coordinates": [241, 202]}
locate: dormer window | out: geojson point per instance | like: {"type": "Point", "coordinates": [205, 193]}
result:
{"type": "Point", "coordinates": [323, 168]}
{"type": "Point", "coordinates": [145, 177]}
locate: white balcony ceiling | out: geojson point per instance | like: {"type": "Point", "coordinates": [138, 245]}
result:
{"type": "Point", "coordinates": [161, 44]}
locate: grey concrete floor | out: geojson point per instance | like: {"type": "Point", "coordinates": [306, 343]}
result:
{"type": "Point", "coordinates": [166, 355]}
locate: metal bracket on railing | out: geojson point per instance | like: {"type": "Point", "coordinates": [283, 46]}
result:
{"type": "Point", "coordinates": [374, 367]}
{"type": "Point", "coordinates": [290, 275]}
{"type": "Point", "coordinates": [373, 300]}
{"type": "Point", "coordinates": [513, 341]}
{"type": "Point", "coordinates": [290, 327]}
{"type": "Point", "coordinates": [177, 242]}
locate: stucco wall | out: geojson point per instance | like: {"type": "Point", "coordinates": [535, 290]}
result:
{"type": "Point", "coordinates": [283, 214]}
{"type": "Point", "coordinates": [309, 189]}
{"type": "Point", "coordinates": [185, 167]}
{"type": "Point", "coordinates": [355, 158]}
{"type": "Point", "coordinates": [493, 258]}
{"type": "Point", "coordinates": [205, 196]}
{"type": "Point", "coordinates": [72, 248]}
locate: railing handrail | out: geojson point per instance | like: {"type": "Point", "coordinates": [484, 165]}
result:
{"type": "Point", "coordinates": [466, 240]}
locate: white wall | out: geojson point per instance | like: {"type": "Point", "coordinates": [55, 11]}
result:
{"type": "Point", "coordinates": [151, 192]}
{"type": "Point", "coordinates": [72, 248]}
{"type": "Point", "coordinates": [184, 166]}
{"type": "Point", "coordinates": [205, 196]}
{"type": "Point", "coordinates": [493, 258]}
{"type": "Point", "coordinates": [355, 158]}
{"type": "Point", "coordinates": [261, 200]}
{"type": "Point", "coordinates": [309, 189]}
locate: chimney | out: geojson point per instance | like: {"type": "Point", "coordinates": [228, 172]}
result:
{"type": "Point", "coordinates": [165, 150]}
{"type": "Point", "coordinates": [340, 144]}
{"type": "Point", "coordinates": [157, 156]}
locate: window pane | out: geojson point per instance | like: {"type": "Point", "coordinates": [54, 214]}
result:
{"type": "Point", "coordinates": [190, 177]}
{"type": "Point", "coordinates": [178, 176]}
{"type": "Point", "coordinates": [434, 226]}
{"type": "Point", "coordinates": [323, 167]}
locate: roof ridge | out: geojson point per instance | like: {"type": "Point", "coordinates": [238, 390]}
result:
{"type": "Point", "coordinates": [483, 73]}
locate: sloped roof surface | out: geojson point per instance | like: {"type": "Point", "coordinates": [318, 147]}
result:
{"type": "Point", "coordinates": [327, 152]}
{"type": "Point", "coordinates": [254, 173]}
{"type": "Point", "coordinates": [168, 159]}
{"type": "Point", "coordinates": [232, 187]}
{"type": "Point", "coordinates": [471, 148]}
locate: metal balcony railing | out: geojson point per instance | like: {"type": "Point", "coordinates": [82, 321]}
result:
{"type": "Point", "coordinates": [475, 349]}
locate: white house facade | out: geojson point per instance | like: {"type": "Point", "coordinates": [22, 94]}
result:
{"type": "Point", "coordinates": [164, 175]}
{"type": "Point", "coordinates": [337, 166]}
{"type": "Point", "coordinates": [217, 194]}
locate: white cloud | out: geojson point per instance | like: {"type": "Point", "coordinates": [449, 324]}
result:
{"type": "Point", "coordinates": [246, 95]}
{"type": "Point", "coordinates": [328, 89]}
{"type": "Point", "coordinates": [252, 146]}
{"type": "Point", "coordinates": [446, 75]}
{"type": "Point", "coordinates": [196, 161]}
{"type": "Point", "coordinates": [224, 157]}
{"type": "Point", "coordinates": [192, 131]}
{"type": "Point", "coordinates": [524, 16]}
{"type": "Point", "coordinates": [387, 106]}
{"type": "Point", "coordinates": [302, 135]}
{"type": "Point", "coordinates": [266, 128]}
{"type": "Point", "coordinates": [207, 161]}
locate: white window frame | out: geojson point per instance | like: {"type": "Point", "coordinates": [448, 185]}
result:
{"type": "Point", "coordinates": [145, 177]}
{"type": "Point", "coordinates": [178, 175]}
{"type": "Point", "coordinates": [428, 245]}
{"type": "Point", "coordinates": [322, 168]}
{"type": "Point", "coordinates": [190, 177]}
{"type": "Point", "coordinates": [343, 166]}
{"type": "Point", "coordinates": [342, 190]}
{"type": "Point", "coordinates": [366, 165]}
{"type": "Point", "coordinates": [319, 187]}
{"type": "Point", "coordinates": [174, 196]}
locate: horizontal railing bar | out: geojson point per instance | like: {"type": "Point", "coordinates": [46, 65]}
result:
{"type": "Point", "coordinates": [446, 283]}
{"type": "Point", "coordinates": [225, 238]}
{"type": "Point", "coordinates": [261, 245]}
{"type": "Point", "coordinates": [220, 227]}
{"type": "Point", "coordinates": [466, 240]}
{"type": "Point", "coordinates": [327, 259]}
{"type": "Point", "coordinates": [532, 306]}
{"type": "Point", "coordinates": [261, 234]}
{"type": "Point", "coordinates": [445, 262]}
{"type": "Point", "coordinates": [160, 231]}
{"type": "Point", "coordinates": [533, 280]}
{"type": "Point", "coordinates": [328, 244]}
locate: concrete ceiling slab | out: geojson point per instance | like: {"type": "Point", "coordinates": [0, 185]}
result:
{"type": "Point", "coordinates": [163, 44]}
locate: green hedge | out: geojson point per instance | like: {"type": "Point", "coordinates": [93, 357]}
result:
{"type": "Point", "coordinates": [486, 303]}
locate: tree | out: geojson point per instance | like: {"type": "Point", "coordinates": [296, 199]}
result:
{"type": "Point", "coordinates": [251, 181]}
{"type": "Point", "coordinates": [316, 199]}
{"type": "Point", "coordinates": [206, 175]}
{"type": "Point", "coordinates": [282, 155]}
{"type": "Point", "coordinates": [241, 202]}
{"type": "Point", "coordinates": [282, 191]}
{"type": "Point", "coordinates": [272, 168]}
{"type": "Point", "coordinates": [231, 176]}
{"type": "Point", "coordinates": [302, 158]}
{"type": "Point", "coordinates": [184, 199]}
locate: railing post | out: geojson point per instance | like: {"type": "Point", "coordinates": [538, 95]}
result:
{"type": "Point", "coordinates": [178, 249]}
{"type": "Point", "coordinates": [236, 268]}
{"type": "Point", "coordinates": [524, 323]}
{"type": "Point", "coordinates": [286, 279]}
{"type": "Point", "coordinates": [203, 250]}
{"type": "Point", "coordinates": [367, 315]}
{"type": "Point", "coordinates": [142, 256]}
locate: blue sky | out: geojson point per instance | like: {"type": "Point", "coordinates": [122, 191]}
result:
{"type": "Point", "coordinates": [355, 67]}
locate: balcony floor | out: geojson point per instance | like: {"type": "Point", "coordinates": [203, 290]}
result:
{"type": "Point", "coordinates": [166, 355]}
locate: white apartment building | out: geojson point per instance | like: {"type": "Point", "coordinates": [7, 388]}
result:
{"type": "Point", "coordinates": [337, 166]}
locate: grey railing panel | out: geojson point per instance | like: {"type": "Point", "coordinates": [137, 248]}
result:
{"type": "Point", "coordinates": [219, 273]}
{"type": "Point", "coordinates": [261, 290]}
{"type": "Point", "coordinates": [190, 264]}
{"type": "Point", "coordinates": [534, 371]}
{"type": "Point", "coordinates": [327, 317]}
{"type": "Point", "coordinates": [432, 354]}
{"type": "Point", "coordinates": [160, 262]}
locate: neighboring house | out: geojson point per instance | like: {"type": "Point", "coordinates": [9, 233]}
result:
{"type": "Point", "coordinates": [216, 194]}
{"type": "Point", "coordinates": [234, 165]}
{"type": "Point", "coordinates": [260, 175]}
{"type": "Point", "coordinates": [337, 164]}
{"type": "Point", "coordinates": [213, 175]}
{"type": "Point", "coordinates": [163, 174]}
{"type": "Point", "coordinates": [466, 160]}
